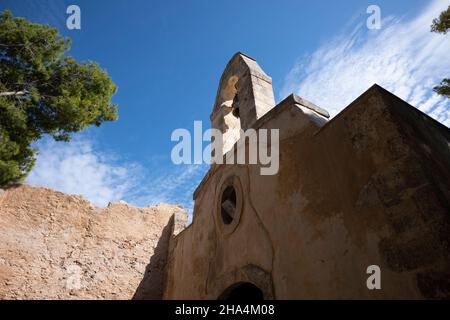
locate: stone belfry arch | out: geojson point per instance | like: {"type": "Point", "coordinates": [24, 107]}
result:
{"type": "Point", "coordinates": [244, 95]}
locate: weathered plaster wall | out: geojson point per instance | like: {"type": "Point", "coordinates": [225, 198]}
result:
{"type": "Point", "coordinates": [49, 239]}
{"type": "Point", "coordinates": [368, 187]}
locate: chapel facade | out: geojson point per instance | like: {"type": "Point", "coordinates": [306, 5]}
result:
{"type": "Point", "coordinates": [369, 187]}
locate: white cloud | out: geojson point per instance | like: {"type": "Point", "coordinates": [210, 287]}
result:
{"type": "Point", "coordinates": [403, 56]}
{"type": "Point", "coordinates": [75, 168]}
{"type": "Point", "coordinates": [170, 184]}
{"type": "Point", "coordinates": [78, 167]}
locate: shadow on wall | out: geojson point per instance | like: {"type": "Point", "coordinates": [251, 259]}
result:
{"type": "Point", "coordinates": [152, 285]}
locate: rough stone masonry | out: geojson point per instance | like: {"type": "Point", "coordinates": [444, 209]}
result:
{"type": "Point", "coordinates": [48, 237]}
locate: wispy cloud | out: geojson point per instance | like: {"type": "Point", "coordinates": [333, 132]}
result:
{"type": "Point", "coordinates": [79, 167]}
{"type": "Point", "coordinates": [403, 57]}
{"type": "Point", "coordinates": [169, 184]}
{"type": "Point", "coordinates": [75, 168]}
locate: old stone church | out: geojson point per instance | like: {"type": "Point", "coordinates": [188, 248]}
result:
{"type": "Point", "coordinates": [359, 209]}
{"type": "Point", "coordinates": [368, 188]}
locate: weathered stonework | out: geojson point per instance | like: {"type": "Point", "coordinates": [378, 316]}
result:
{"type": "Point", "coordinates": [49, 239]}
{"type": "Point", "coordinates": [245, 94]}
{"type": "Point", "coordinates": [369, 187]}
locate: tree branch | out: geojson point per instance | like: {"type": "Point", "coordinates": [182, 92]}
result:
{"type": "Point", "coordinates": [13, 93]}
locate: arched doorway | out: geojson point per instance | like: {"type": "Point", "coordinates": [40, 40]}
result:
{"type": "Point", "coordinates": [242, 291]}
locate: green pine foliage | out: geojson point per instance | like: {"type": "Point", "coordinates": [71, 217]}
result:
{"type": "Point", "coordinates": [442, 25]}
{"type": "Point", "coordinates": [44, 91]}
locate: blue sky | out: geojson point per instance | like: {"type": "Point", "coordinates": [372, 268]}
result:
{"type": "Point", "coordinates": [167, 57]}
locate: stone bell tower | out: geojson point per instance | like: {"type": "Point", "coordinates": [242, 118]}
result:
{"type": "Point", "coordinates": [245, 94]}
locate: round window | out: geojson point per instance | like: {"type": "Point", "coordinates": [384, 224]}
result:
{"type": "Point", "coordinates": [228, 204]}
